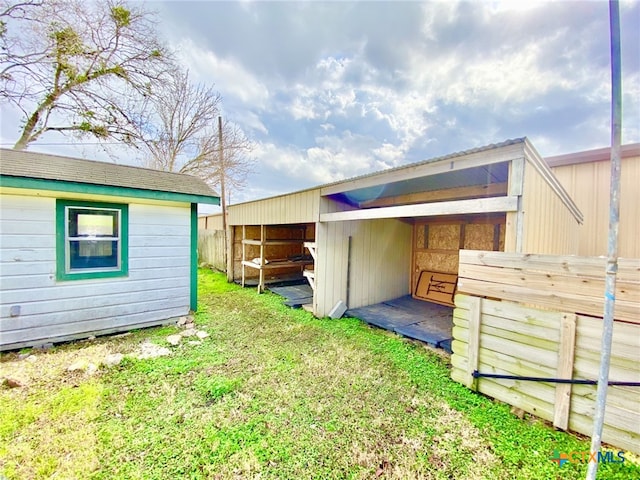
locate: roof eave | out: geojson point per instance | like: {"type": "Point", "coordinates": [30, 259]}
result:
{"type": "Point", "coordinates": [534, 158]}
{"type": "Point", "coordinates": [108, 190]}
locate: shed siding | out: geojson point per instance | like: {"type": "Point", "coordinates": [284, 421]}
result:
{"type": "Point", "coordinates": [301, 207]}
{"type": "Point", "coordinates": [156, 289]}
{"type": "Point", "coordinates": [549, 227]}
{"type": "Point", "coordinates": [379, 267]}
{"type": "Point", "coordinates": [210, 222]}
{"type": "Point", "coordinates": [588, 184]}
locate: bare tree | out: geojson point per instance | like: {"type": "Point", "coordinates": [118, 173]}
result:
{"type": "Point", "coordinates": [182, 132]}
{"type": "Point", "coordinates": [78, 67]}
{"type": "Point", "coordinates": [176, 128]}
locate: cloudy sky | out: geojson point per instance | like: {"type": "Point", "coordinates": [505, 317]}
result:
{"type": "Point", "coordinates": [329, 90]}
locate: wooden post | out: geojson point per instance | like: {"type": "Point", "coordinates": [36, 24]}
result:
{"type": "Point", "coordinates": [230, 246]}
{"type": "Point", "coordinates": [475, 309]}
{"type": "Point", "coordinates": [262, 253]}
{"type": "Point", "coordinates": [566, 352]}
{"type": "Point", "coordinates": [244, 251]}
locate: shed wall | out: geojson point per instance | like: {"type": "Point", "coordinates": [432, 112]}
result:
{"type": "Point", "coordinates": [210, 222]}
{"type": "Point", "coordinates": [301, 207]}
{"type": "Point", "coordinates": [156, 289]}
{"type": "Point", "coordinates": [379, 264]}
{"type": "Point", "coordinates": [548, 226]}
{"type": "Point", "coordinates": [588, 184]}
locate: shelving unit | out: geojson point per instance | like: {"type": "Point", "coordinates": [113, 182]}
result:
{"type": "Point", "coordinates": [265, 264]}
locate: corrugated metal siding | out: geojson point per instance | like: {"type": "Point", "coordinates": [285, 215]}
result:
{"type": "Point", "coordinates": [379, 268]}
{"type": "Point", "coordinates": [549, 227]}
{"type": "Point", "coordinates": [301, 207]}
{"type": "Point", "coordinates": [588, 184]}
{"type": "Point", "coordinates": [156, 289]}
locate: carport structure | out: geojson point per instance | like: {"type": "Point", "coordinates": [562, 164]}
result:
{"type": "Point", "coordinates": [398, 232]}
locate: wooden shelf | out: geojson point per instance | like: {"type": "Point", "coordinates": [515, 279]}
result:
{"type": "Point", "coordinates": [272, 265]}
{"type": "Point", "coordinates": [264, 243]}
{"type": "Point", "coordinates": [273, 242]}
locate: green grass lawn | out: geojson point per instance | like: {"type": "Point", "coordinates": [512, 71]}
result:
{"type": "Point", "coordinates": [272, 393]}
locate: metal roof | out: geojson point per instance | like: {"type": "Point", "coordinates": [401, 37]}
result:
{"type": "Point", "coordinates": [25, 164]}
{"type": "Point", "coordinates": [449, 156]}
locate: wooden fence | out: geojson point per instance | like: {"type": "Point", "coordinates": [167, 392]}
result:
{"type": "Point", "coordinates": [543, 318]}
{"type": "Point", "coordinates": [211, 248]}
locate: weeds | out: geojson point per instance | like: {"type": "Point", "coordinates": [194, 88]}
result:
{"type": "Point", "coordinates": [273, 393]}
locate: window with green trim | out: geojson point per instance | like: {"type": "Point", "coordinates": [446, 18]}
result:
{"type": "Point", "coordinates": [92, 240]}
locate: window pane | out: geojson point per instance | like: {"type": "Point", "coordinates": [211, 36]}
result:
{"type": "Point", "coordinates": [92, 223]}
{"type": "Point", "coordinates": [93, 254]}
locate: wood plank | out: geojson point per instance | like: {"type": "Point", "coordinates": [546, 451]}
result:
{"type": "Point", "coordinates": [474, 341]}
{"type": "Point", "coordinates": [481, 205]}
{"type": "Point", "coordinates": [566, 351]}
{"type": "Point", "coordinates": [623, 397]}
{"type": "Point", "coordinates": [286, 241]}
{"type": "Point", "coordinates": [278, 264]}
{"type": "Point", "coordinates": [562, 301]}
{"type": "Point", "coordinates": [244, 254]}
{"type": "Point", "coordinates": [459, 193]}
{"type": "Point", "coordinates": [505, 328]}
{"type": "Point", "coordinates": [530, 353]}
{"type": "Point", "coordinates": [587, 365]}
{"type": "Point", "coordinates": [311, 246]}
{"type": "Point", "coordinates": [512, 396]}
{"type": "Point", "coordinates": [490, 360]}
{"type": "Point", "coordinates": [627, 334]}
{"type": "Point", "coordinates": [551, 282]}
{"type": "Point", "coordinates": [628, 268]}
{"type": "Point", "coordinates": [515, 311]}
{"type": "Point", "coordinates": [614, 416]}
{"type": "Point", "coordinates": [613, 436]}
{"type": "Point", "coordinates": [518, 337]}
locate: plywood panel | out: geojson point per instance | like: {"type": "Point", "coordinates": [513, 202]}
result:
{"type": "Point", "coordinates": [479, 236]}
{"type": "Point", "coordinates": [444, 237]}
{"type": "Point", "coordinates": [437, 242]}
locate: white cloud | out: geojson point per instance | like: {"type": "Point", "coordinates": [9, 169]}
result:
{"type": "Point", "coordinates": [233, 80]}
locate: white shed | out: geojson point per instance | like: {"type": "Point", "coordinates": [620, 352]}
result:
{"type": "Point", "coordinates": [90, 248]}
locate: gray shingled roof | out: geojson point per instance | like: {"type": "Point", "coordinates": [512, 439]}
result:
{"type": "Point", "coordinates": [66, 169]}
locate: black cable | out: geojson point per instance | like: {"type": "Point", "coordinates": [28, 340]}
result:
{"type": "Point", "coordinates": [477, 374]}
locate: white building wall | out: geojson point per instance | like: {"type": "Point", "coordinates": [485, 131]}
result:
{"type": "Point", "coordinates": [377, 267]}
{"type": "Point", "coordinates": [157, 287]}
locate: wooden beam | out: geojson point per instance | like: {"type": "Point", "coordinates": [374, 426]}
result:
{"type": "Point", "coordinates": [565, 370]}
{"type": "Point", "coordinates": [480, 205]}
{"type": "Point", "coordinates": [450, 163]}
{"type": "Point", "coordinates": [475, 309]}
{"type": "Point", "coordinates": [244, 252]}
{"type": "Point", "coordinates": [543, 169]}
{"type": "Point", "coordinates": [231, 232]}
{"type": "Point", "coordinates": [459, 193]}
{"type": "Point", "coordinates": [311, 246]}
{"type": "Point", "coordinates": [263, 238]}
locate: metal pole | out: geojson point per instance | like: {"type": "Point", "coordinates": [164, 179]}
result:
{"type": "Point", "coordinates": [223, 203]}
{"type": "Point", "coordinates": [614, 218]}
